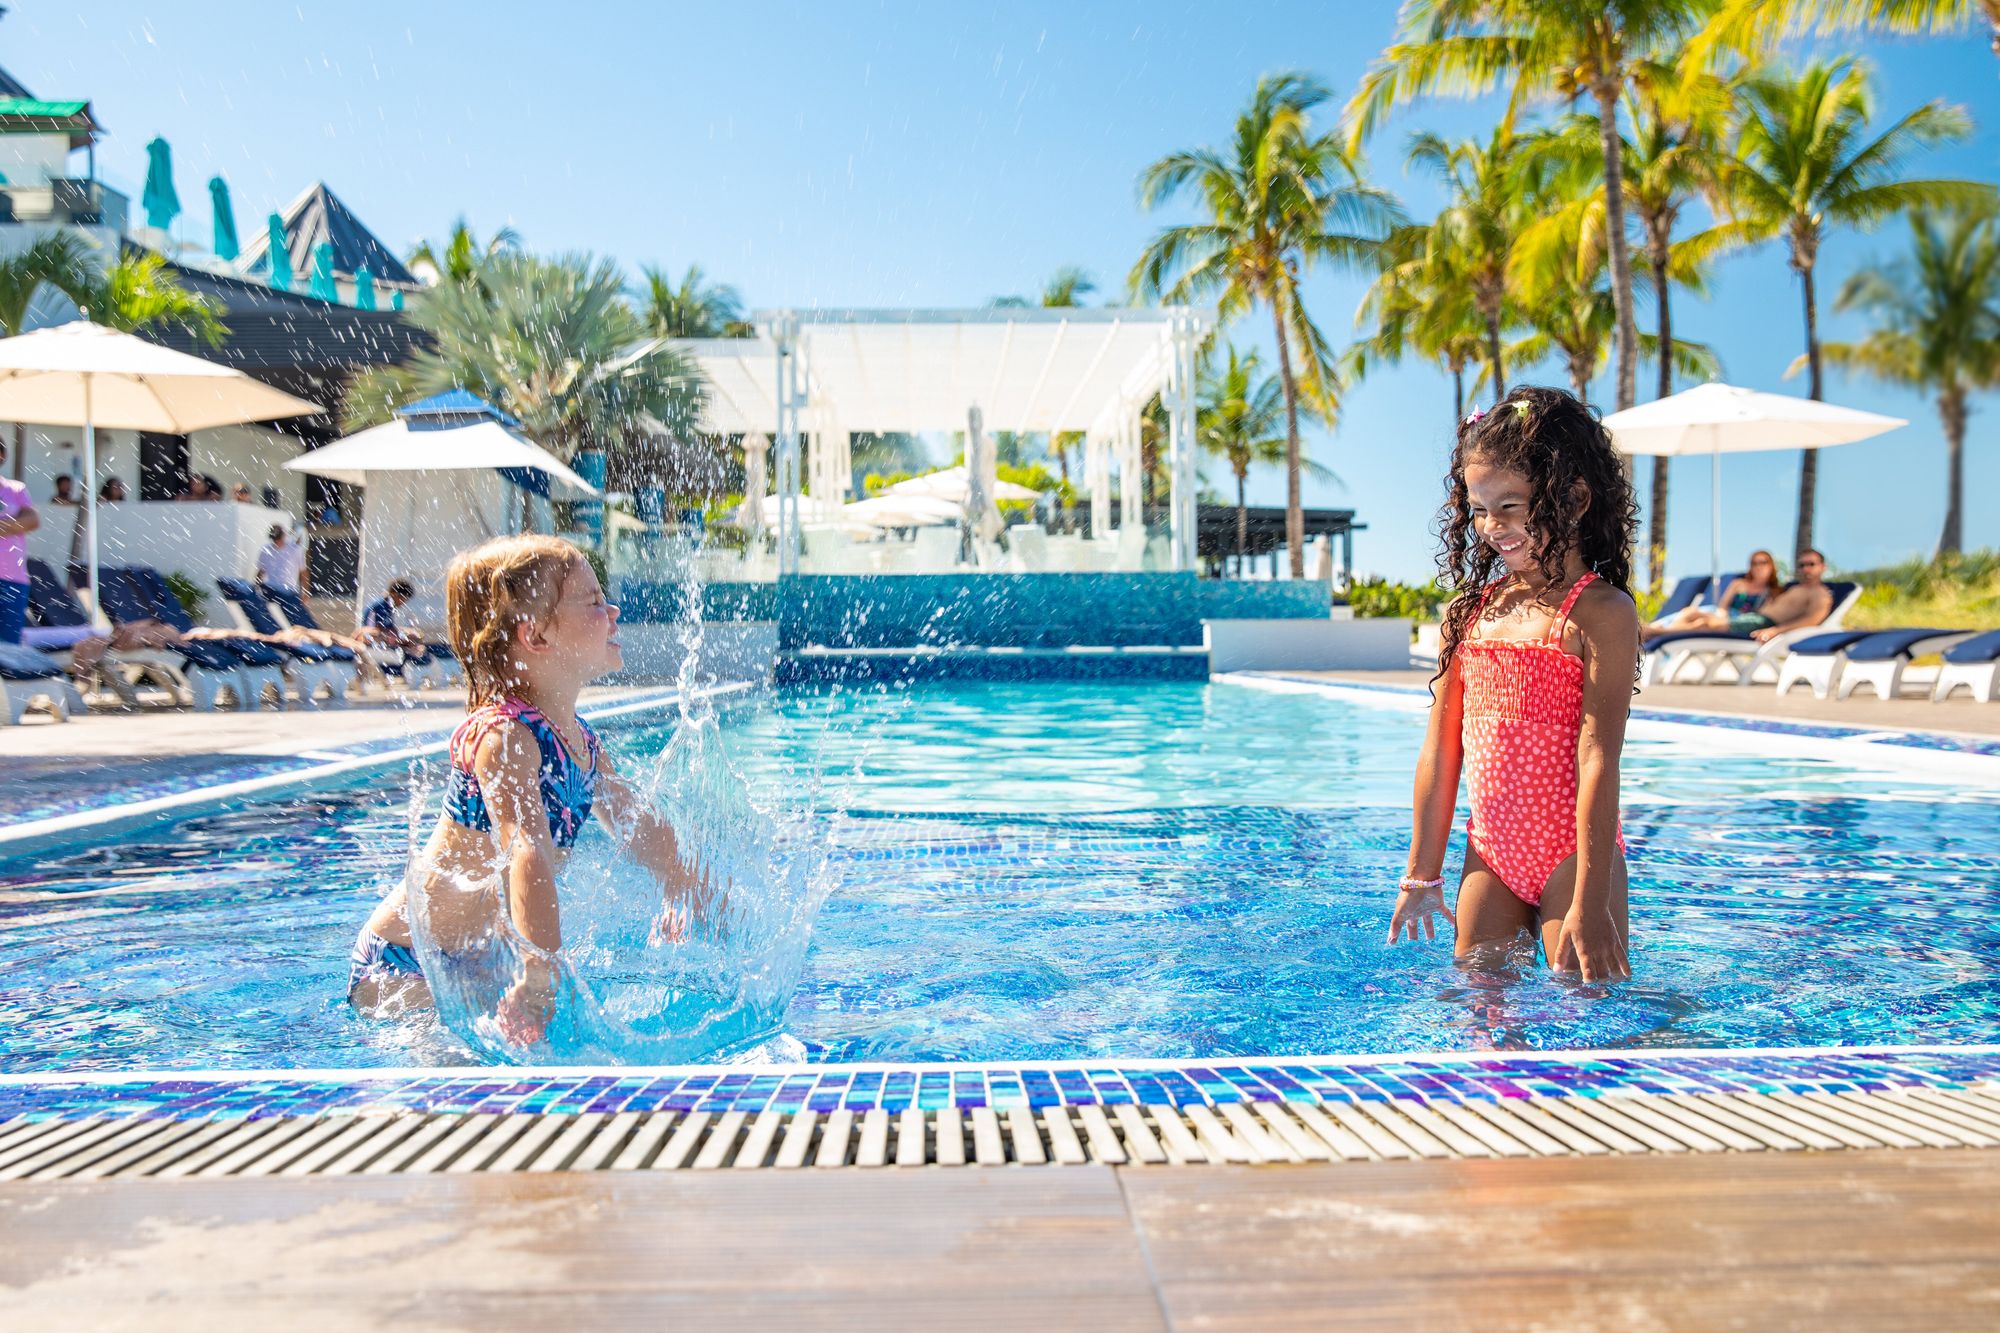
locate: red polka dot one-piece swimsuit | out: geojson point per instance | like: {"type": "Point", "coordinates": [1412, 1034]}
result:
{"type": "Point", "coordinates": [1522, 714]}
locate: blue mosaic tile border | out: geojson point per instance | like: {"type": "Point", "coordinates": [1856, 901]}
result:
{"type": "Point", "coordinates": [1769, 726]}
{"type": "Point", "coordinates": [1427, 1078]}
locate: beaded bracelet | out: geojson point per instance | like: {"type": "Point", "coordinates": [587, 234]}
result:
{"type": "Point", "coordinates": [1419, 884]}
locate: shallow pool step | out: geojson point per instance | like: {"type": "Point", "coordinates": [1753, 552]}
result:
{"type": "Point", "coordinates": [1124, 1135]}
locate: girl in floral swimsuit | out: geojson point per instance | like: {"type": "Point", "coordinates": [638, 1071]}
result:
{"type": "Point", "coordinates": [531, 627]}
{"type": "Point", "coordinates": [1540, 653]}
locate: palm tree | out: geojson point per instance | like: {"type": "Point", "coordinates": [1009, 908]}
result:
{"type": "Point", "coordinates": [552, 343]}
{"type": "Point", "coordinates": [1763, 23]}
{"type": "Point", "coordinates": [1565, 49]}
{"type": "Point", "coordinates": [1239, 418]}
{"type": "Point", "coordinates": [458, 261]}
{"type": "Point", "coordinates": [1802, 161]}
{"type": "Point", "coordinates": [61, 260]}
{"type": "Point", "coordinates": [1938, 330]}
{"type": "Point", "coordinates": [139, 291]}
{"type": "Point", "coordinates": [1279, 200]}
{"type": "Point", "coordinates": [1476, 232]}
{"type": "Point", "coordinates": [690, 308]}
{"type": "Point", "coordinates": [1672, 155]}
{"type": "Point", "coordinates": [1420, 304]}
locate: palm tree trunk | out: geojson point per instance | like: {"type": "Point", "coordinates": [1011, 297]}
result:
{"type": "Point", "coordinates": [1579, 377]}
{"type": "Point", "coordinates": [1295, 514]}
{"type": "Point", "coordinates": [1656, 539]}
{"type": "Point", "coordinates": [1809, 458]}
{"type": "Point", "coordinates": [1614, 226]}
{"type": "Point", "coordinates": [1494, 358]}
{"type": "Point", "coordinates": [1951, 407]}
{"type": "Point", "coordinates": [1457, 396]}
{"type": "Point", "coordinates": [1242, 518]}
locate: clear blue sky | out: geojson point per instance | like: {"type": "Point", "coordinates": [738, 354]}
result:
{"type": "Point", "coordinates": [922, 154]}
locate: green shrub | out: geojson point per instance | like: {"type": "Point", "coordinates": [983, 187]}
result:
{"type": "Point", "coordinates": [1959, 592]}
{"type": "Point", "coordinates": [189, 593]}
{"type": "Point", "coordinates": [1379, 598]}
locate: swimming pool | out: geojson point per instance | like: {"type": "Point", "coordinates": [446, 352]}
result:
{"type": "Point", "coordinates": [1085, 871]}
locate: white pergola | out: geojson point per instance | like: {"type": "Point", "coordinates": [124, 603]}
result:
{"type": "Point", "coordinates": [811, 377]}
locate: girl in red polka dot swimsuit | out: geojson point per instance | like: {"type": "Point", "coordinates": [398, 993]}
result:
{"type": "Point", "coordinates": [1539, 654]}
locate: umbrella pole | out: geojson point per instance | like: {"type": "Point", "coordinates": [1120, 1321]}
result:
{"type": "Point", "coordinates": [90, 492]}
{"type": "Point", "coordinates": [1715, 528]}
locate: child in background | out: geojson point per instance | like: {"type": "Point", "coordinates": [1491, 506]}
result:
{"type": "Point", "coordinates": [531, 628]}
{"type": "Point", "coordinates": [1539, 654]}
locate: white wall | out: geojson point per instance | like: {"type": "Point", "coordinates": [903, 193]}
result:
{"type": "Point", "coordinates": [413, 523]}
{"type": "Point", "coordinates": [229, 454]}
{"type": "Point", "coordinates": [32, 159]}
{"type": "Point", "coordinates": [203, 541]}
{"type": "Point", "coordinates": [1322, 645]}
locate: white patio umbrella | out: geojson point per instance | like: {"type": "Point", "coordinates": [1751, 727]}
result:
{"type": "Point", "coordinates": [954, 484]}
{"type": "Point", "coordinates": [397, 446]}
{"type": "Point", "coordinates": [394, 455]}
{"type": "Point", "coordinates": [903, 511]}
{"type": "Point", "coordinates": [1718, 419]}
{"type": "Point", "coordinates": [83, 374]}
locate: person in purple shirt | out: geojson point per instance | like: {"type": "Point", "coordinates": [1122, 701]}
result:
{"type": "Point", "coordinates": [17, 520]}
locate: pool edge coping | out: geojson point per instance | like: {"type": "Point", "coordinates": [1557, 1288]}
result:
{"type": "Point", "coordinates": [429, 740]}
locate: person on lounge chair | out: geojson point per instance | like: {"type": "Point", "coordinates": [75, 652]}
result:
{"type": "Point", "coordinates": [1741, 610]}
{"type": "Point", "coordinates": [378, 626]}
{"type": "Point", "coordinates": [1803, 603]}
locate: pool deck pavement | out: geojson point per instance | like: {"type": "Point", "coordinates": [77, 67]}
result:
{"type": "Point", "coordinates": [48, 762]}
{"type": "Point", "coordinates": [1887, 1239]}
{"type": "Point", "coordinates": [1957, 716]}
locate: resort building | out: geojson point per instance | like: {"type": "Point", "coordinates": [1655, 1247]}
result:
{"type": "Point", "coordinates": [307, 332]}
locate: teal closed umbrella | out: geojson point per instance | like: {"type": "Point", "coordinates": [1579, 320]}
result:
{"type": "Point", "coordinates": [364, 290]}
{"type": "Point", "coordinates": [322, 284]}
{"type": "Point", "coordinates": [281, 258]}
{"type": "Point", "coordinates": [225, 218]}
{"type": "Point", "coordinates": [161, 203]}
{"type": "Point", "coordinates": [396, 299]}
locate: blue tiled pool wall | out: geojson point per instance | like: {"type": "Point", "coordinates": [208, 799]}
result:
{"type": "Point", "coordinates": [830, 1088]}
{"type": "Point", "coordinates": [809, 670]}
{"type": "Point", "coordinates": [982, 611]}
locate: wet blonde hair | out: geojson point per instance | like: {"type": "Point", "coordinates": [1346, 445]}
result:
{"type": "Point", "coordinates": [490, 590]}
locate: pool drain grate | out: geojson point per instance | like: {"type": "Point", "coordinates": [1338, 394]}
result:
{"type": "Point", "coordinates": [410, 1142]}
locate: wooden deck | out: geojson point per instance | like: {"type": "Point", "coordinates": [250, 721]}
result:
{"type": "Point", "coordinates": [1879, 1239]}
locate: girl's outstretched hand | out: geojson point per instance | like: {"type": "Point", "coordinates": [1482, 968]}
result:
{"type": "Point", "coordinates": [1590, 944]}
{"type": "Point", "coordinates": [1415, 908]}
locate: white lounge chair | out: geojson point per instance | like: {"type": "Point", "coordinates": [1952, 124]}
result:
{"type": "Point", "coordinates": [27, 674]}
{"type": "Point", "coordinates": [1974, 664]}
{"type": "Point", "coordinates": [1028, 545]}
{"type": "Point", "coordinates": [1668, 657]}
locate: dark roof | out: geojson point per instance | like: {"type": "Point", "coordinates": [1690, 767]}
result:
{"type": "Point", "coordinates": [300, 344]}
{"type": "Point", "coordinates": [318, 217]}
{"type": "Point", "coordinates": [11, 86]}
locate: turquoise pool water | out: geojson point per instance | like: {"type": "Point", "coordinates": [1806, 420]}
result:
{"type": "Point", "coordinates": [1077, 871]}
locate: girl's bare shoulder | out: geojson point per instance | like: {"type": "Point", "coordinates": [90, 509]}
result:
{"type": "Point", "coordinates": [1604, 609]}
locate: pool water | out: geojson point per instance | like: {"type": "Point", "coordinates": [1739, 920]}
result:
{"type": "Point", "coordinates": [1082, 871]}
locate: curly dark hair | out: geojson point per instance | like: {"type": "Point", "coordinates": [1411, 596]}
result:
{"type": "Point", "coordinates": [1554, 440]}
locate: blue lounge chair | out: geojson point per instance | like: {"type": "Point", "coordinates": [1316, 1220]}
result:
{"type": "Point", "coordinates": [1692, 591]}
{"type": "Point", "coordinates": [28, 674]}
{"type": "Point", "coordinates": [207, 666]}
{"type": "Point", "coordinates": [1973, 663]}
{"type": "Point", "coordinates": [1668, 656]}
{"type": "Point", "coordinates": [1841, 662]}
{"type": "Point", "coordinates": [440, 663]}
{"type": "Point", "coordinates": [310, 665]}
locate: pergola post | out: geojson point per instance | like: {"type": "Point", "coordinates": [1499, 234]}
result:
{"type": "Point", "coordinates": [1180, 405]}
{"type": "Point", "coordinates": [1097, 481]}
{"type": "Point", "coordinates": [791, 397]}
{"type": "Point", "coordinates": [1131, 471]}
